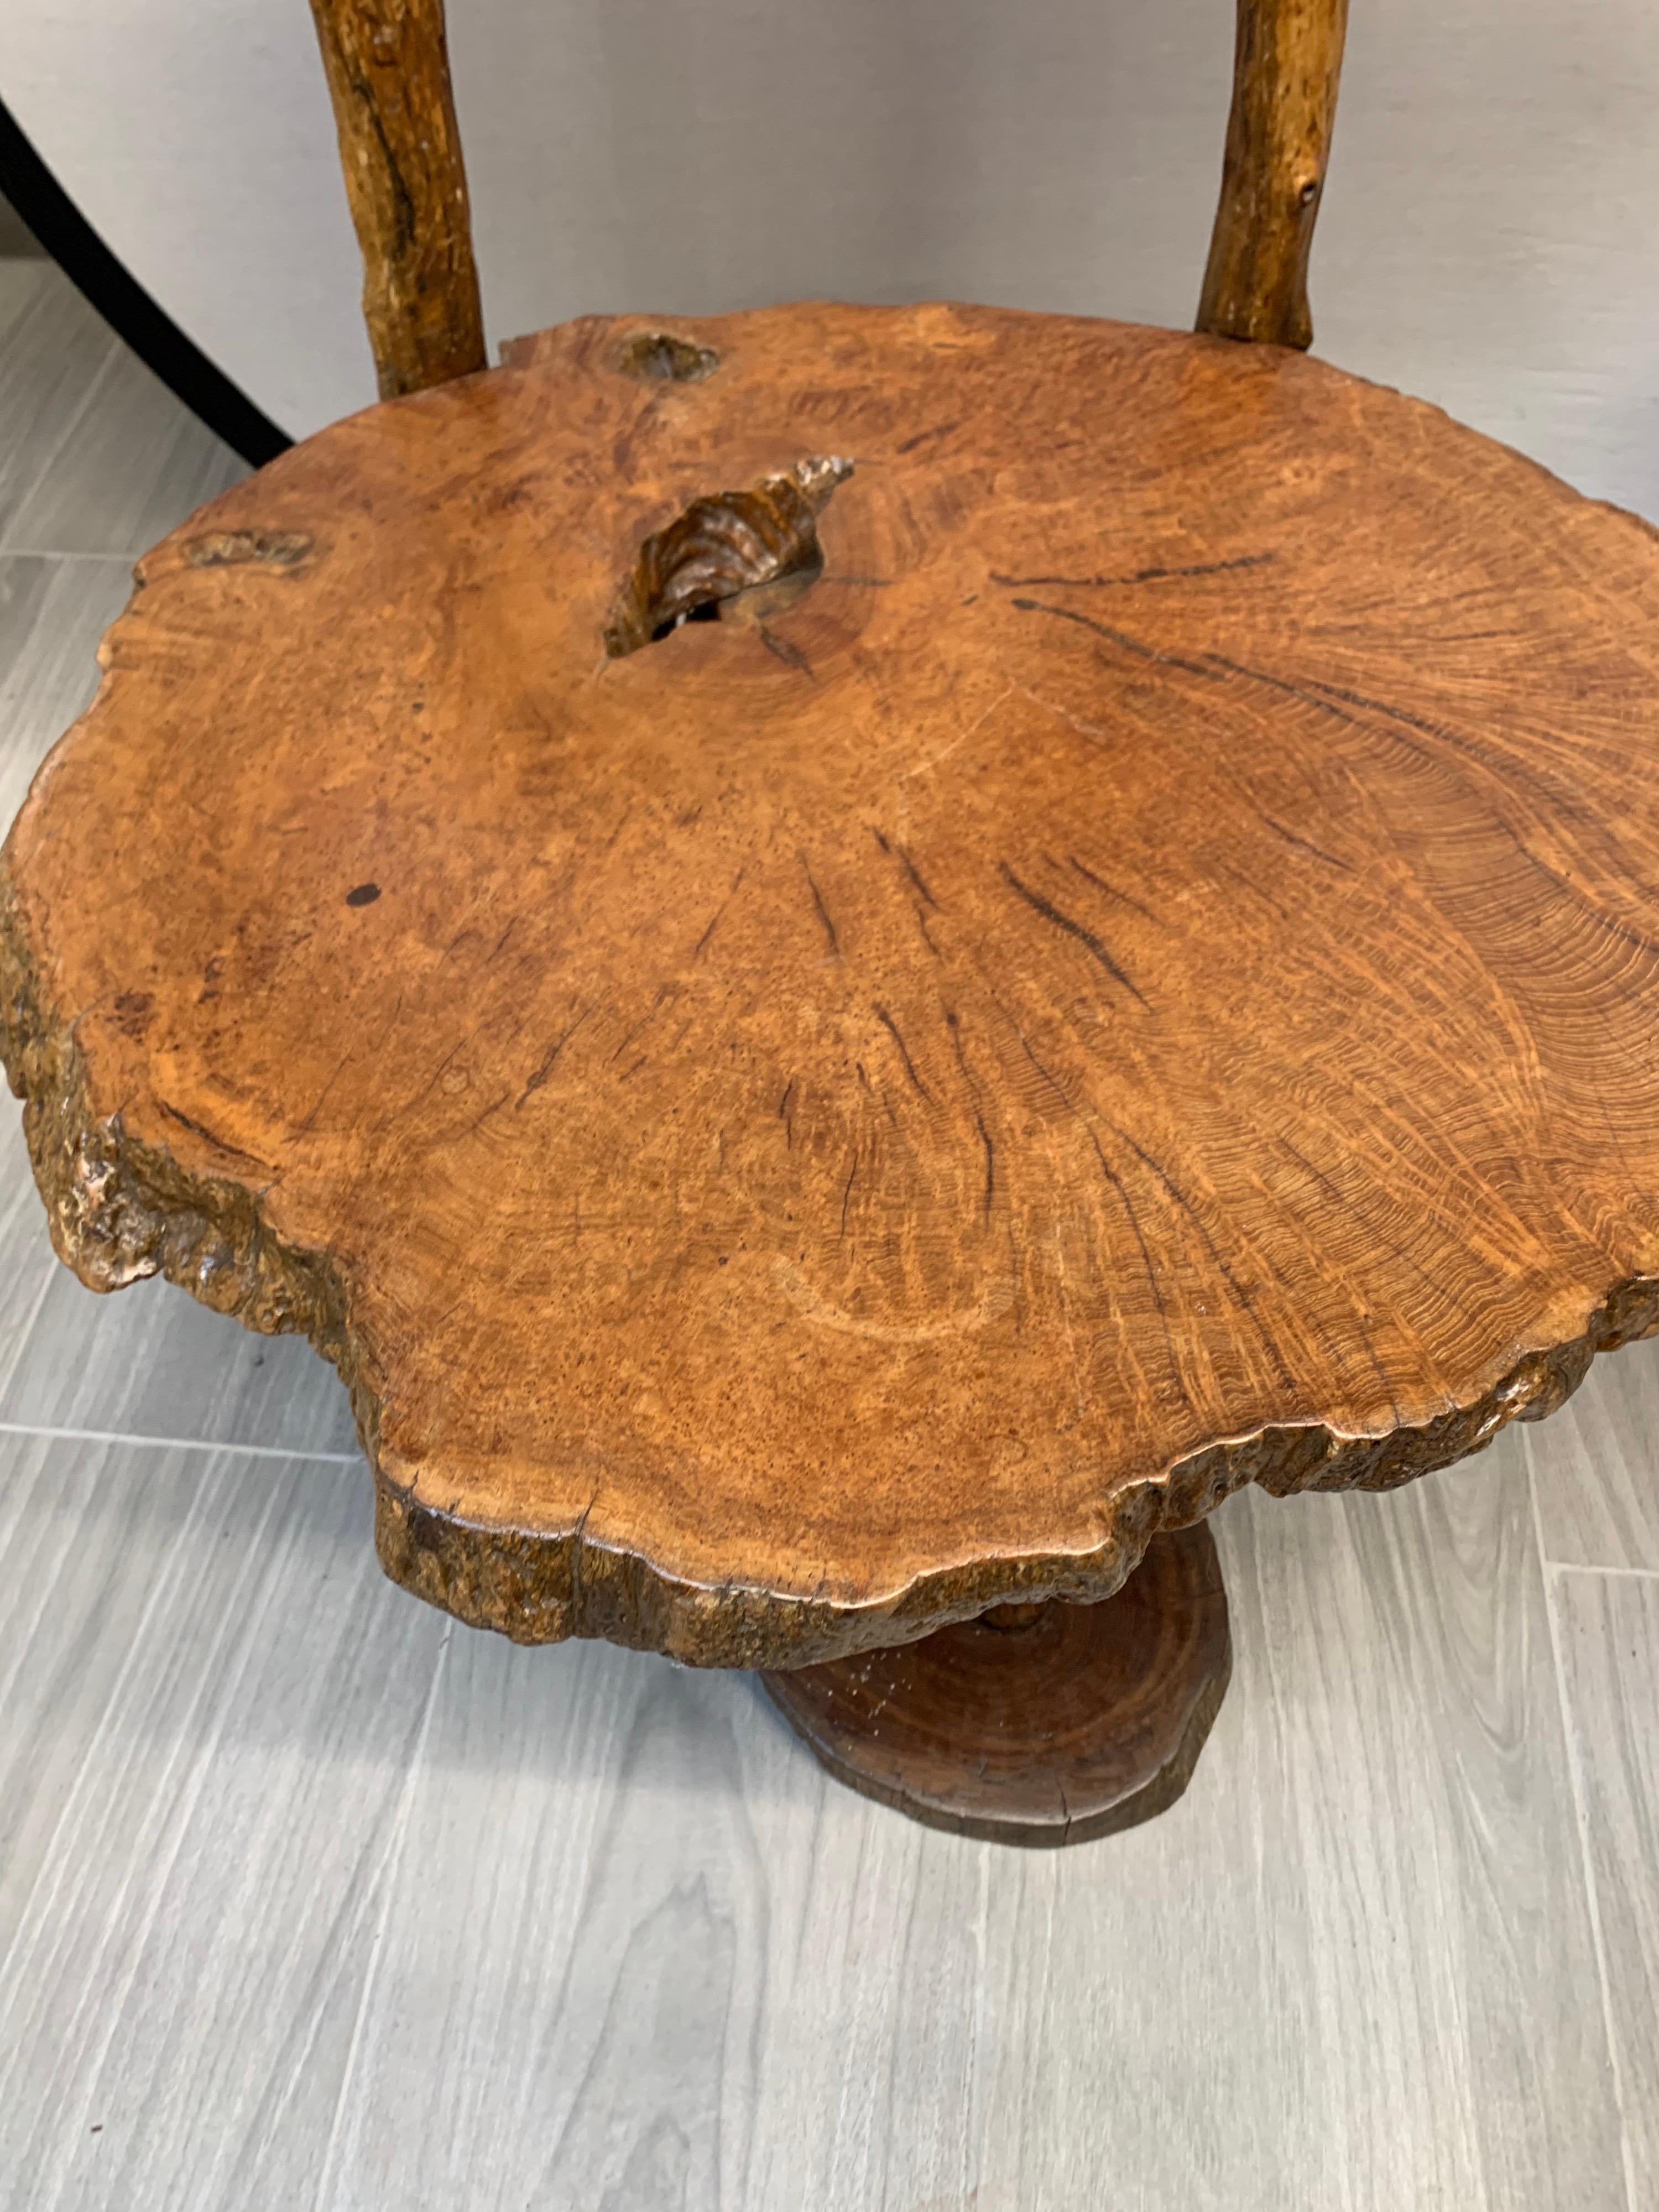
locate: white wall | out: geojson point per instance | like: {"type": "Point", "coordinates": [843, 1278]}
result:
{"type": "Point", "coordinates": [1490, 237]}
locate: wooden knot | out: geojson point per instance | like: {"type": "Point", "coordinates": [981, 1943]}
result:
{"type": "Point", "coordinates": [660, 355]}
{"type": "Point", "coordinates": [728, 542]}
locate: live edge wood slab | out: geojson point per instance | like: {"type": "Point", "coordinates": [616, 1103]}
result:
{"type": "Point", "coordinates": [1125, 961]}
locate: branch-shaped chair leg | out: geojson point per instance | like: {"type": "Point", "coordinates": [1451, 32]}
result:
{"type": "Point", "coordinates": [387, 62]}
{"type": "Point", "coordinates": [1286, 70]}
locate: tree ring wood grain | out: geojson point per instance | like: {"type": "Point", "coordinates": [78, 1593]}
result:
{"type": "Point", "coordinates": [1042, 1725]}
{"type": "Point", "coordinates": [1144, 978]}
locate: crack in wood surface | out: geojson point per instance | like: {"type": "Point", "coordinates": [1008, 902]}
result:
{"type": "Point", "coordinates": [788, 1150]}
{"type": "Point", "coordinates": [120, 1211]}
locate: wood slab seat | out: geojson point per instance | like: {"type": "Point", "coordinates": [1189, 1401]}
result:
{"type": "Point", "coordinates": [1122, 960]}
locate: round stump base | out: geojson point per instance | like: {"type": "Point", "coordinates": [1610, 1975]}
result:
{"type": "Point", "coordinates": [1043, 1724]}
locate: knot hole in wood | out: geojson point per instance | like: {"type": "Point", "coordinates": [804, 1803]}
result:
{"type": "Point", "coordinates": [723, 545]}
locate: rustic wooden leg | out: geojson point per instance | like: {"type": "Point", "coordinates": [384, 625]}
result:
{"type": "Point", "coordinates": [1041, 1724]}
{"type": "Point", "coordinates": [387, 64]}
{"type": "Point", "coordinates": [1286, 66]}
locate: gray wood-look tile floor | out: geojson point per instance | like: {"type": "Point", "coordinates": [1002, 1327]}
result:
{"type": "Point", "coordinates": [310, 1898]}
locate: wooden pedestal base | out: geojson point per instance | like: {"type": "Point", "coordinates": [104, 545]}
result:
{"type": "Point", "coordinates": [1041, 1724]}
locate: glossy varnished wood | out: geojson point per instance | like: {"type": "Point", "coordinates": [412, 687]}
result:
{"type": "Point", "coordinates": [1129, 970]}
{"type": "Point", "coordinates": [302, 1900]}
{"type": "Point", "coordinates": [1039, 1724]}
{"type": "Point", "coordinates": [97, 457]}
{"type": "Point", "coordinates": [152, 1362]}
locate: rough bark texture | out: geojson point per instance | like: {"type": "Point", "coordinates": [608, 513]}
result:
{"type": "Point", "coordinates": [1286, 69]}
{"type": "Point", "coordinates": [388, 77]}
{"type": "Point", "coordinates": [1137, 972]}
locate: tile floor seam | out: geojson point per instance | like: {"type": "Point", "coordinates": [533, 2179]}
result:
{"type": "Point", "coordinates": [1614, 1574]}
{"type": "Point", "coordinates": [106, 369]}
{"type": "Point", "coordinates": [61, 553]}
{"type": "Point", "coordinates": [55, 1434]}
{"type": "Point", "coordinates": [1587, 1871]}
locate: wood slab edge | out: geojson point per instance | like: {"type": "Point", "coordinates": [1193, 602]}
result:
{"type": "Point", "coordinates": [120, 1209]}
